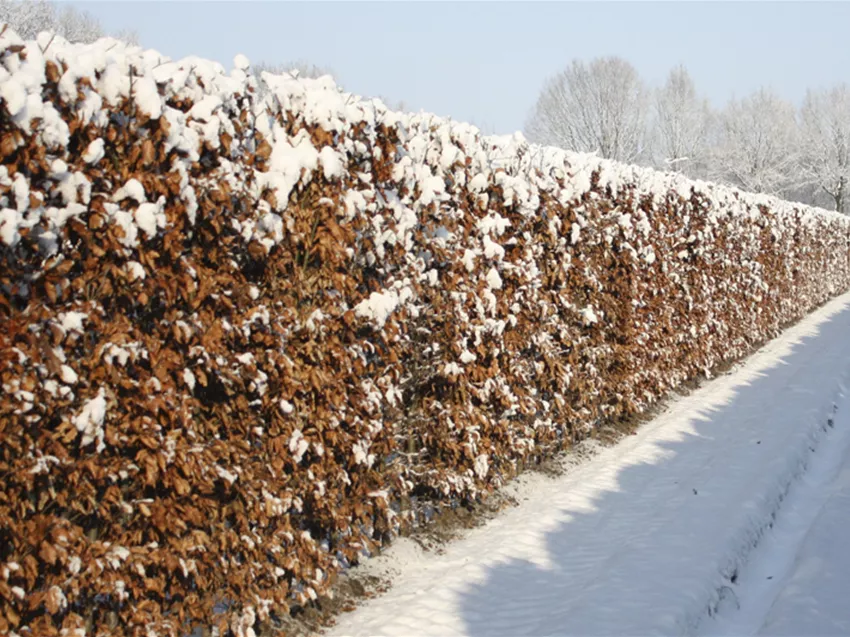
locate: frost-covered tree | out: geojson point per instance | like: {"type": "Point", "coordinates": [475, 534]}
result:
{"type": "Point", "coordinates": [758, 146]}
{"type": "Point", "coordinates": [395, 105]}
{"type": "Point", "coordinates": [298, 68]}
{"type": "Point", "coordinates": [597, 107]}
{"type": "Point", "coordinates": [30, 17]}
{"type": "Point", "coordinates": [825, 143]}
{"type": "Point", "coordinates": [682, 125]}
{"type": "Point", "coordinates": [78, 26]}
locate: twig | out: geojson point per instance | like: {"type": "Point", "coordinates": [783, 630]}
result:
{"type": "Point", "coordinates": [132, 102]}
{"type": "Point", "coordinates": [44, 50]}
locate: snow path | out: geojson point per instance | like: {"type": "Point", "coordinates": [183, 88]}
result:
{"type": "Point", "coordinates": [797, 580]}
{"type": "Point", "coordinates": [645, 537]}
{"type": "Point", "coordinates": [814, 600]}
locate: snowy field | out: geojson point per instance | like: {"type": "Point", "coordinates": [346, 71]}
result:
{"type": "Point", "coordinates": [725, 515]}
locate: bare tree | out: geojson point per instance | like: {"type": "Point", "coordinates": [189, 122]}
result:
{"type": "Point", "coordinates": [825, 132]}
{"type": "Point", "coordinates": [78, 26]}
{"type": "Point", "coordinates": [758, 146]}
{"type": "Point", "coordinates": [299, 68]}
{"type": "Point", "coordinates": [395, 105]}
{"type": "Point", "coordinates": [682, 125]}
{"type": "Point", "coordinates": [130, 36]}
{"type": "Point", "coordinates": [30, 17]}
{"type": "Point", "coordinates": [598, 107]}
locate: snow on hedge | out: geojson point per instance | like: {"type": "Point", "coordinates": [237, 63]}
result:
{"type": "Point", "coordinates": [228, 322]}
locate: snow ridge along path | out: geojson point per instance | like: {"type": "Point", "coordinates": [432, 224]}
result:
{"type": "Point", "coordinates": [649, 536]}
{"type": "Point", "coordinates": [796, 580]}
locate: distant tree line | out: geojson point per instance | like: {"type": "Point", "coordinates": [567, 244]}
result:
{"type": "Point", "coordinates": [761, 143]}
{"type": "Point", "coordinates": [30, 17]}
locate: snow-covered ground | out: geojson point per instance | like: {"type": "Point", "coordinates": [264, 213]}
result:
{"type": "Point", "coordinates": [813, 600]}
{"type": "Point", "coordinates": [798, 578]}
{"type": "Point", "coordinates": [673, 531]}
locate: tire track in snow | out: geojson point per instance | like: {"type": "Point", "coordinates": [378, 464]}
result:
{"type": "Point", "coordinates": [761, 583]}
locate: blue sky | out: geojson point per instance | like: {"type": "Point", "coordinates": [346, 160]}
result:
{"type": "Point", "coordinates": [485, 62]}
